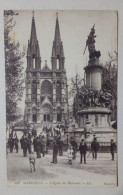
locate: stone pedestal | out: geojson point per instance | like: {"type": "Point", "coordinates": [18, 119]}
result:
{"type": "Point", "coordinates": [97, 114]}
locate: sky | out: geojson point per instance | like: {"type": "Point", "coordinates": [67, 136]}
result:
{"type": "Point", "coordinates": [75, 26]}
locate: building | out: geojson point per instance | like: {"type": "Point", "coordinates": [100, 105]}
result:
{"type": "Point", "coordinates": [46, 89]}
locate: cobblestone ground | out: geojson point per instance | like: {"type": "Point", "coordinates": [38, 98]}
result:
{"type": "Point", "coordinates": [100, 172]}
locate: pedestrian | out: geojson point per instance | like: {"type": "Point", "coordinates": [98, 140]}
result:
{"type": "Point", "coordinates": [95, 147]}
{"type": "Point", "coordinates": [34, 142]}
{"type": "Point", "coordinates": [38, 147]}
{"type": "Point", "coordinates": [60, 146]}
{"type": "Point", "coordinates": [21, 142]}
{"type": "Point", "coordinates": [24, 146]}
{"type": "Point", "coordinates": [70, 154]}
{"type": "Point", "coordinates": [16, 140]}
{"type": "Point", "coordinates": [74, 146]}
{"type": "Point", "coordinates": [11, 144]}
{"type": "Point", "coordinates": [55, 152]}
{"type": "Point", "coordinates": [32, 161]}
{"type": "Point", "coordinates": [112, 148]}
{"type": "Point", "coordinates": [82, 149]}
{"type": "Point", "coordinates": [43, 145]}
{"type": "Point", "coordinates": [29, 142]}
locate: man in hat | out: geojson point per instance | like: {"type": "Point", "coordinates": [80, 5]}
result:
{"type": "Point", "coordinates": [95, 147]}
{"type": "Point", "coordinates": [82, 149]}
{"type": "Point", "coordinates": [112, 148]}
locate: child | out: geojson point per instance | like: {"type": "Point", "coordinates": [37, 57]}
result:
{"type": "Point", "coordinates": [70, 155]}
{"type": "Point", "coordinates": [32, 160]}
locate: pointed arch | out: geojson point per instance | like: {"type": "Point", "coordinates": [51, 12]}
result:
{"type": "Point", "coordinates": [58, 91]}
{"type": "Point", "coordinates": [46, 90]}
{"type": "Point", "coordinates": [34, 91]}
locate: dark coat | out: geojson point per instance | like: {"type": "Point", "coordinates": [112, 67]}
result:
{"type": "Point", "coordinates": [11, 142]}
{"type": "Point", "coordinates": [113, 147]}
{"type": "Point", "coordinates": [24, 143]}
{"type": "Point", "coordinates": [34, 143]}
{"type": "Point", "coordinates": [83, 148]}
{"type": "Point", "coordinates": [74, 144]}
{"type": "Point", "coordinates": [38, 146]}
{"type": "Point", "coordinates": [95, 146]}
{"type": "Point", "coordinates": [16, 141]}
{"type": "Point", "coordinates": [55, 149]}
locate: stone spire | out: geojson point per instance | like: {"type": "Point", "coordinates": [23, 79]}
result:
{"type": "Point", "coordinates": [33, 36]}
{"type": "Point", "coordinates": [57, 49]}
{"type": "Point", "coordinates": [57, 38]}
{"type": "Point", "coordinates": [33, 51]}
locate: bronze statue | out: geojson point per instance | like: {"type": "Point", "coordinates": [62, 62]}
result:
{"type": "Point", "coordinates": [91, 45]}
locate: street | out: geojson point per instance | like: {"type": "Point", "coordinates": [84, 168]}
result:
{"type": "Point", "coordinates": [100, 172]}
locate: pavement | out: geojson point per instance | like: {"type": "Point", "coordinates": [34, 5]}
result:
{"type": "Point", "coordinates": [96, 173]}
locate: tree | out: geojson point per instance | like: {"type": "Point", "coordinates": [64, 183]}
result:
{"type": "Point", "coordinates": [110, 80]}
{"type": "Point", "coordinates": [13, 67]}
{"type": "Point", "coordinates": [76, 84]}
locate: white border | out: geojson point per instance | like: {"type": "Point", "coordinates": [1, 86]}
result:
{"type": "Point", "coordinates": [61, 5]}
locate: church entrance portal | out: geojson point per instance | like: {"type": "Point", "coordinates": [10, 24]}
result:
{"type": "Point", "coordinates": [47, 113]}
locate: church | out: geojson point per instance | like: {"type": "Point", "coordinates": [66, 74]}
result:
{"type": "Point", "coordinates": [46, 99]}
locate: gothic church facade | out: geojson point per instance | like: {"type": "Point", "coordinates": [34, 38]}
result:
{"type": "Point", "coordinates": [46, 89]}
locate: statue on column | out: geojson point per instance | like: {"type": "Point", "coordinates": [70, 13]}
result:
{"type": "Point", "coordinates": [90, 43]}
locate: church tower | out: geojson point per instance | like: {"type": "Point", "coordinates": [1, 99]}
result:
{"type": "Point", "coordinates": [57, 58]}
{"type": "Point", "coordinates": [32, 101]}
{"type": "Point", "coordinates": [60, 88]}
{"type": "Point", "coordinates": [33, 51]}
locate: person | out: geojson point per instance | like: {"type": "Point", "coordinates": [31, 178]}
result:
{"type": "Point", "coordinates": [34, 142]}
{"type": "Point", "coordinates": [29, 142]}
{"type": "Point", "coordinates": [43, 145]}
{"type": "Point", "coordinates": [74, 146]}
{"type": "Point", "coordinates": [95, 147]}
{"type": "Point", "coordinates": [70, 154]}
{"type": "Point", "coordinates": [24, 146]}
{"type": "Point", "coordinates": [16, 140]}
{"type": "Point", "coordinates": [112, 148]}
{"type": "Point", "coordinates": [82, 149]}
{"type": "Point", "coordinates": [32, 161]}
{"type": "Point", "coordinates": [21, 142]}
{"type": "Point", "coordinates": [11, 144]}
{"type": "Point", "coordinates": [38, 148]}
{"type": "Point", "coordinates": [55, 152]}
{"type": "Point", "coordinates": [60, 147]}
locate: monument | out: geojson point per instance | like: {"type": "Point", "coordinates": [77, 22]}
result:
{"type": "Point", "coordinates": [94, 103]}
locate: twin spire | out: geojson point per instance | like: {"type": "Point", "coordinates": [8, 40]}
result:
{"type": "Point", "coordinates": [33, 46]}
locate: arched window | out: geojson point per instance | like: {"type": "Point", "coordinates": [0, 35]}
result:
{"type": "Point", "coordinates": [58, 62]}
{"type": "Point", "coordinates": [58, 91]}
{"type": "Point", "coordinates": [34, 62]}
{"type": "Point", "coordinates": [59, 114]}
{"type": "Point", "coordinates": [34, 114]}
{"type": "Point", "coordinates": [46, 90]}
{"type": "Point", "coordinates": [34, 91]}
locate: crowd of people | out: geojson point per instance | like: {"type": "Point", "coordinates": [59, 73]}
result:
{"type": "Point", "coordinates": [32, 144]}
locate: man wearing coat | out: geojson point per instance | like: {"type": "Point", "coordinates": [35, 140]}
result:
{"type": "Point", "coordinates": [82, 149]}
{"type": "Point", "coordinates": [55, 152]}
{"type": "Point", "coordinates": [94, 147]}
{"type": "Point", "coordinates": [16, 140]}
{"type": "Point", "coordinates": [11, 144]}
{"type": "Point", "coordinates": [112, 148]}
